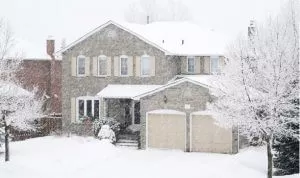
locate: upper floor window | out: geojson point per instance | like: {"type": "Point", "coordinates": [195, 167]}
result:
{"type": "Point", "coordinates": [145, 65]}
{"type": "Point", "coordinates": [191, 64]}
{"type": "Point", "coordinates": [87, 106]}
{"type": "Point", "coordinates": [81, 65]}
{"type": "Point", "coordinates": [124, 65]}
{"type": "Point", "coordinates": [102, 65]}
{"type": "Point", "coordinates": [214, 64]}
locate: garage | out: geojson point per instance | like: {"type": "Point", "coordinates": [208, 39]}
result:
{"type": "Point", "coordinates": [166, 129]}
{"type": "Point", "coordinates": [206, 136]}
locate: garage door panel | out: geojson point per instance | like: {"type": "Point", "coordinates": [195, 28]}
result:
{"type": "Point", "coordinates": [166, 131]}
{"type": "Point", "coordinates": [206, 136]}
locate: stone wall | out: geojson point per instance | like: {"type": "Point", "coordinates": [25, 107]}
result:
{"type": "Point", "coordinates": [177, 97]}
{"type": "Point", "coordinates": [111, 41]}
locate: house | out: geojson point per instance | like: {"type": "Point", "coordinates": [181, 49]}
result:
{"type": "Point", "coordinates": [154, 76]}
{"type": "Point", "coordinates": [44, 74]}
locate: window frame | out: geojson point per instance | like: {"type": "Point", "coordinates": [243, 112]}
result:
{"type": "Point", "coordinates": [218, 64]}
{"type": "Point", "coordinates": [187, 63]}
{"type": "Point", "coordinates": [120, 66]}
{"type": "Point", "coordinates": [77, 65]}
{"type": "Point", "coordinates": [101, 57]}
{"type": "Point", "coordinates": [85, 99]}
{"type": "Point", "coordinates": [141, 66]}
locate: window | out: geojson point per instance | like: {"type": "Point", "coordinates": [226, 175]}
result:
{"type": "Point", "coordinates": [87, 107]}
{"type": "Point", "coordinates": [102, 66]}
{"type": "Point", "coordinates": [191, 64]}
{"type": "Point", "coordinates": [80, 65]}
{"type": "Point", "coordinates": [145, 65]}
{"type": "Point", "coordinates": [214, 64]}
{"type": "Point", "coordinates": [124, 65]}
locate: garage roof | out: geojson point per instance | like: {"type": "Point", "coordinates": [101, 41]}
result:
{"type": "Point", "coordinates": [125, 91]}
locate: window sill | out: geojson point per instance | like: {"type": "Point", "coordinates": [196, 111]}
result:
{"type": "Point", "coordinates": [101, 76]}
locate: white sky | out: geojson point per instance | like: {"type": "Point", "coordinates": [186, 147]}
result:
{"type": "Point", "coordinates": [32, 21]}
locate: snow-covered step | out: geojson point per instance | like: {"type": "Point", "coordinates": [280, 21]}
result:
{"type": "Point", "coordinates": [126, 141]}
{"type": "Point", "coordinates": [127, 144]}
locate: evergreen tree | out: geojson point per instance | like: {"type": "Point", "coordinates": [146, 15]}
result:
{"type": "Point", "coordinates": [286, 150]}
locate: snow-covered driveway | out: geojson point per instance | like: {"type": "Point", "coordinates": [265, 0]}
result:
{"type": "Point", "coordinates": [79, 157]}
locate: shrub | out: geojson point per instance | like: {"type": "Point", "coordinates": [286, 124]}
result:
{"type": "Point", "coordinates": [112, 122]}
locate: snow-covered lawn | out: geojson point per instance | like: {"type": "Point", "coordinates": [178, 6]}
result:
{"type": "Point", "coordinates": [78, 157]}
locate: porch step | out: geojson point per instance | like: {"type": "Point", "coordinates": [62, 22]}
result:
{"type": "Point", "coordinates": [127, 141]}
{"type": "Point", "coordinates": [127, 144]}
{"type": "Point", "coordinates": [127, 137]}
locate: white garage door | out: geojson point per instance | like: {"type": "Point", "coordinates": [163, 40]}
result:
{"type": "Point", "coordinates": [166, 129]}
{"type": "Point", "coordinates": [206, 136]}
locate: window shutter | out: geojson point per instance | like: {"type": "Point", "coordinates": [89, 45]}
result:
{"type": "Point", "coordinates": [116, 66]}
{"type": "Point", "coordinates": [186, 65]}
{"type": "Point", "coordinates": [73, 110]}
{"type": "Point", "coordinates": [87, 66]}
{"type": "Point", "coordinates": [130, 66]}
{"type": "Point", "coordinates": [73, 66]}
{"type": "Point", "coordinates": [137, 66]}
{"type": "Point", "coordinates": [95, 66]}
{"type": "Point", "coordinates": [152, 62]}
{"type": "Point", "coordinates": [197, 65]}
{"type": "Point", "coordinates": [108, 66]}
{"type": "Point", "coordinates": [206, 64]}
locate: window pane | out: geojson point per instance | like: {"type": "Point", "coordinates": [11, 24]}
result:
{"type": "Point", "coordinates": [81, 108]}
{"type": "Point", "coordinates": [214, 64]}
{"type": "Point", "coordinates": [96, 108]}
{"type": "Point", "coordinates": [89, 108]}
{"type": "Point", "coordinates": [145, 62]}
{"type": "Point", "coordinates": [191, 64]}
{"type": "Point", "coordinates": [102, 66]}
{"type": "Point", "coordinates": [124, 66]}
{"type": "Point", "coordinates": [81, 66]}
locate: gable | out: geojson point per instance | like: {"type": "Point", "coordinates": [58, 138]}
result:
{"type": "Point", "coordinates": [109, 31]}
{"type": "Point", "coordinates": [175, 84]}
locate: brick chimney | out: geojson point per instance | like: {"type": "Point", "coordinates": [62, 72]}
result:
{"type": "Point", "coordinates": [251, 29]}
{"type": "Point", "coordinates": [51, 47]}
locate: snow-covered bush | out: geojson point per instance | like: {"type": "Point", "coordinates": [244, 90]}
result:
{"type": "Point", "coordinates": [107, 133]}
{"type": "Point", "coordinates": [112, 122]}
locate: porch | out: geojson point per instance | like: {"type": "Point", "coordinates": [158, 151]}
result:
{"type": "Point", "coordinates": [117, 102]}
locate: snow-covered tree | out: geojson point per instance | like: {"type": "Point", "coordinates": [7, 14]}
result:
{"type": "Point", "coordinates": [261, 80]}
{"type": "Point", "coordinates": [18, 107]}
{"type": "Point", "coordinates": [173, 10]}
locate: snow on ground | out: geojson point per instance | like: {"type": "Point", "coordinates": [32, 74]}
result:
{"type": "Point", "coordinates": [77, 157]}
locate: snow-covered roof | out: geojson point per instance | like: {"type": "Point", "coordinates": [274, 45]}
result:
{"type": "Point", "coordinates": [12, 90]}
{"type": "Point", "coordinates": [173, 38]}
{"type": "Point", "coordinates": [125, 91]}
{"type": "Point", "coordinates": [166, 111]}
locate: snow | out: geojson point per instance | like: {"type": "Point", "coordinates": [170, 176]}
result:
{"type": "Point", "coordinates": [174, 38]}
{"type": "Point", "coordinates": [168, 35]}
{"type": "Point", "coordinates": [205, 112]}
{"type": "Point", "coordinates": [78, 157]}
{"type": "Point", "coordinates": [12, 90]}
{"type": "Point", "coordinates": [166, 111]}
{"type": "Point", "coordinates": [125, 91]}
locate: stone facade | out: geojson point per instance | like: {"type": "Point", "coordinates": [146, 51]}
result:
{"type": "Point", "coordinates": [111, 41]}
